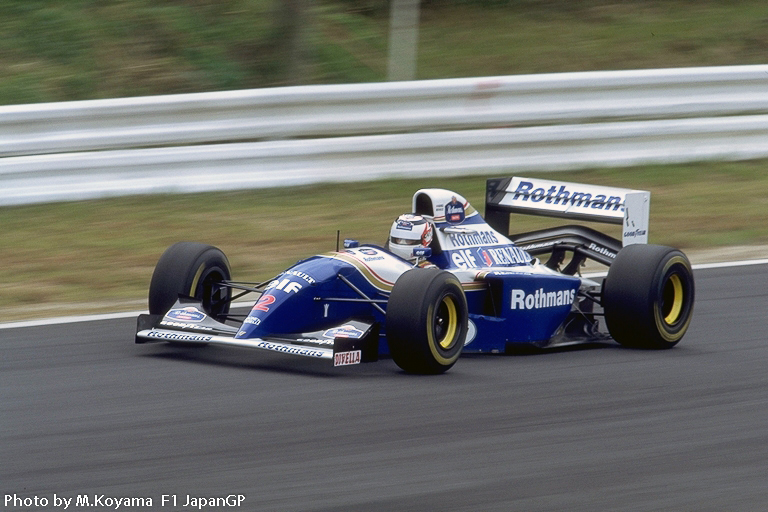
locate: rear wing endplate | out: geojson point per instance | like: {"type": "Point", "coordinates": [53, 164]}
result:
{"type": "Point", "coordinates": [595, 203]}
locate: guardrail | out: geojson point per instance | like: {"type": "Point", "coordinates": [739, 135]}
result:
{"type": "Point", "coordinates": [225, 140]}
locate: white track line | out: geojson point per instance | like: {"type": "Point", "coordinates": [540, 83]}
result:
{"type": "Point", "coordinates": [743, 263]}
{"type": "Point", "coordinates": [702, 266]}
{"type": "Point", "coordinates": [86, 318]}
{"type": "Point", "coordinates": [128, 314]}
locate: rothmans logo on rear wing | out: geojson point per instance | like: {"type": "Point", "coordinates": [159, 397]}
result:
{"type": "Point", "coordinates": [571, 200]}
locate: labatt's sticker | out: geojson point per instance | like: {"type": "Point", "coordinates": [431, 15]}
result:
{"type": "Point", "coordinates": [454, 211]}
{"type": "Point", "coordinates": [345, 331]}
{"type": "Point", "coordinates": [187, 314]}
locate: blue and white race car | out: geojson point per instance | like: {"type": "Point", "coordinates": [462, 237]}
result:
{"type": "Point", "coordinates": [447, 281]}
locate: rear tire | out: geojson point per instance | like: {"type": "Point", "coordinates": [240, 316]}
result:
{"type": "Point", "coordinates": [194, 270]}
{"type": "Point", "coordinates": [427, 319]}
{"type": "Point", "coordinates": [648, 296]}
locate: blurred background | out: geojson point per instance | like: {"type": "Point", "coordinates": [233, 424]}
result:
{"type": "Point", "coordinates": [62, 50]}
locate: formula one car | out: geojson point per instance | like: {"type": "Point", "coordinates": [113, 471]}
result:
{"type": "Point", "coordinates": [446, 281]}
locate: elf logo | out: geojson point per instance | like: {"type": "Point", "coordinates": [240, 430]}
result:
{"type": "Point", "coordinates": [541, 299]}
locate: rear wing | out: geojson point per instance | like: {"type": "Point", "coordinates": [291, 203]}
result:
{"type": "Point", "coordinates": [569, 200]}
{"type": "Point", "coordinates": [627, 207]}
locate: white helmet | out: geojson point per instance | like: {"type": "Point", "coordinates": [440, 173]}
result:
{"type": "Point", "coordinates": [408, 232]}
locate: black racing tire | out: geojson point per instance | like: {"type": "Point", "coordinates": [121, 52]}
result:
{"type": "Point", "coordinates": [427, 318]}
{"type": "Point", "coordinates": [648, 296]}
{"type": "Point", "coordinates": [191, 269]}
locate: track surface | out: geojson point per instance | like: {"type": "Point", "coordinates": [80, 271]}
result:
{"type": "Point", "coordinates": [84, 411]}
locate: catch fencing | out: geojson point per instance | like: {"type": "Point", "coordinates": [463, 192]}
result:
{"type": "Point", "coordinates": [332, 133]}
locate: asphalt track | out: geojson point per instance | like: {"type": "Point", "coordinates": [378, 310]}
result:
{"type": "Point", "coordinates": [86, 412]}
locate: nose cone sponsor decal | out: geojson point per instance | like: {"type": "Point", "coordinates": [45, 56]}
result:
{"type": "Point", "coordinates": [186, 314]}
{"type": "Point", "coordinates": [345, 331]}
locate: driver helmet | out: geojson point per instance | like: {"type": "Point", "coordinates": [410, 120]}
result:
{"type": "Point", "coordinates": [409, 231]}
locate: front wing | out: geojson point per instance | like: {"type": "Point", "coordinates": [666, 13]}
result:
{"type": "Point", "coordinates": [342, 350]}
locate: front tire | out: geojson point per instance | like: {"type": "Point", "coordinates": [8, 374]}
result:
{"type": "Point", "coordinates": [648, 296]}
{"type": "Point", "coordinates": [427, 319]}
{"type": "Point", "coordinates": [194, 270]}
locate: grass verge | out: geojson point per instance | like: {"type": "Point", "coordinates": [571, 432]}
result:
{"type": "Point", "coordinates": [99, 255]}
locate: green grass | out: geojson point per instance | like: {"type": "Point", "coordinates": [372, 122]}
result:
{"type": "Point", "coordinates": [60, 50]}
{"type": "Point", "coordinates": [592, 36]}
{"type": "Point", "coordinates": [103, 252]}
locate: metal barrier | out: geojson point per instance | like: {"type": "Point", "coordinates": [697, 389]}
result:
{"type": "Point", "coordinates": [80, 150]}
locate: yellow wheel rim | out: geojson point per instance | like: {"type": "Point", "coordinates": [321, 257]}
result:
{"type": "Point", "coordinates": [675, 287]}
{"type": "Point", "coordinates": [448, 315]}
